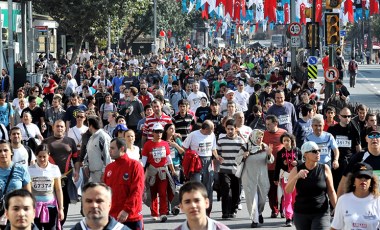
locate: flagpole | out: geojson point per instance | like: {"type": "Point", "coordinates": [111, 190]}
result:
{"type": "Point", "coordinates": [293, 50]}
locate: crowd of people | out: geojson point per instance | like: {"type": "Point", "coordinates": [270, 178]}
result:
{"type": "Point", "coordinates": [125, 131]}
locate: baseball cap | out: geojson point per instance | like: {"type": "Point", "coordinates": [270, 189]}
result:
{"type": "Point", "coordinates": [157, 126]}
{"type": "Point", "coordinates": [230, 91]}
{"type": "Point", "coordinates": [362, 168]}
{"type": "Point", "coordinates": [372, 130]}
{"type": "Point", "coordinates": [121, 127]}
{"type": "Point", "coordinates": [276, 68]}
{"type": "Point", "coordinates": [311, 81]}
{"type": "Point", "coordinates": [309, 146]}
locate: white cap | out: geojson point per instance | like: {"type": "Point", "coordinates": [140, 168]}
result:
{"type": "Point", "coordinates": [309, 146]}
{"type": "Point", "coordinates": [230, 91]}
{"type": "Point", "coordinates": [157, 126]}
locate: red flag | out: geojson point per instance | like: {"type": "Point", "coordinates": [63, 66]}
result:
{"type": "Point", "coordinates": [219, 24]}
{"type": "Point", "coordinates": [373, 7]}
{"type": "Point", "coordinates": [302, 12]}
{"type": "Point", "coordinates": [318, 10]}
{"type": "Point", "coordinates": [237, 6]}
{"type": "Point", "coordinates": [220, 1]}
{"type": "Point", "coordinates": [270, 10]}
{"type": "Point", "coordinates": [205, 11]}
{"type": "Point", "coordinates": [348, 9]}
{"type": "Point", "coordinates": [229, 7]}
{"type": "Point", "coordinates": [243, 8]}
{"type": "Point", "coordinates": [287, 13]}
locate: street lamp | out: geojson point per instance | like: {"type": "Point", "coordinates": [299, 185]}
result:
{"type": "Point", "coordinates": [154, 49]}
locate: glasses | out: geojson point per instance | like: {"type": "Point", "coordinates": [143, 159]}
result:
{"type": "Point", "coordinates": [158, 131]}
{"type": "Point", "coordinates": [315, 151]}
{"type": "Point", "coordinates": [346, 116]}
{"type": "Point", "coordinates": [81, 117]}
{"type": "Point", "coordinates": [373, 135]}
{"type": "Point", "coordinates": [36, 91]}
{"type": "Point", "coordinates": [330, 112]}
{"type": "Point", "coordinates": [363, 177]}
{"type": "Point", "coordinates": [142, 88]}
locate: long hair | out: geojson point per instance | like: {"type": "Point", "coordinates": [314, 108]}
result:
{"type": "Point", "coordinates": [373, 187]}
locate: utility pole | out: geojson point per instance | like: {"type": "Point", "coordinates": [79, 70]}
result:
{"type": "Point", "coordinates": [155, 27]}
{"type": "Point", "coordinates": [313, 29]}
{"type": "Point", "coordinates": [293, 50]}
{"type": "Point", "coordinates": [109, 37]}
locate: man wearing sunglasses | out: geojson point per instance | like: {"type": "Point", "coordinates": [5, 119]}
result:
{"type": "Point", "coordinates": [371, 157]}
{"type": "Point", "coordinates": [348, 139]}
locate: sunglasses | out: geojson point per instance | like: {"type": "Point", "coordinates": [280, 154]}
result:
{"type": "Point", "coordinates": [373, 135]}
{"type": "Point", "coordinates": [315, 151]}
{"type": "Point", "coordinates": [363, 177]}
{"type": "Point", "coordinates": [346, 116]}
{"type": "Point", "coordinates": [80, 116]}
{"type": "Point", "coordinates": [36, 91]}
{"type": "Point", "coordinates": [158, 131]}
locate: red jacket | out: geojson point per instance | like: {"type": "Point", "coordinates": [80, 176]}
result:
{"type": "Point", "coordinates": [125, 176]}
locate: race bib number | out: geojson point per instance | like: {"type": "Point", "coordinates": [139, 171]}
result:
{"type": "Point", "coordinates": [204, 148]}
{"type": "Point", "coordinates": [42, 184]}
{"type": "Point", "coordinates": [159, 152]}
{"type": "Point", "coordinates": [343, 142]}
{"type": "Point", "coordinates": [284, 119]}
{"type": "Point", "coordinates": [324, 151]}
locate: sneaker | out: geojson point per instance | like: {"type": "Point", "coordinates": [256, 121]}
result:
{"type": "Point", "coordinates": [240, 207]}
{"type": "Point", "coordinates": [155, 218]}
{"type": "Point", "coordinates": [163, 218]}
{"type": "Point", "coordinates": [261, 219]}
{"type": "Point", "coordinates": [233, 215]}
{"type": "Point", "coordinates": [288, 223]}
{"type": "Point", "coordinates": [254, 225]}
{"type": "Point", "coordinates": [242, 195]}
{"type": "Point", "coordinates": [175, 211]}
{"type": "Point", "coordinates": [274, 215]}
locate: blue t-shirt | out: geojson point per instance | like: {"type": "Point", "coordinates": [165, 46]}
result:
{"type": "Point", "coordinates": [20, 177]}
{"type": "Point", "coordinates": [175, 154]}
{"type": "Point", "coordinates": [117, 82]}
{"type": "Point", "coordinates": [326, 142]}
{"type": "Point", "coordinates": [4, 115]}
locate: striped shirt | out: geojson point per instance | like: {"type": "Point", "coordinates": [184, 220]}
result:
{"type": "Point", "coordinates": [183, 124]}
{"type": "Point", "coordinates": [151, 120]}
{"type": "Point", "coordinates": [229, 148]}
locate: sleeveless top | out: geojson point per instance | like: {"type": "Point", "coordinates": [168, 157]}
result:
{"type": "Point", "coordinates": [312, 191]}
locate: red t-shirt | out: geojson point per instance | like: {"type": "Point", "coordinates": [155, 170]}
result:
{"type": "Point", "coordinates": [325, 62]}
{"type": "Point", "coordinates": [274, 138]}
{"type": "Point", "coordinates": [48, 87]}
{"type": "Point", "coordinates": [156, 152]}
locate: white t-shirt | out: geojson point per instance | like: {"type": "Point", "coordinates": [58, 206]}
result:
{"type": "Point", "coordinates": [76, 134]}
{"type": "Point", "coordinates": [21, 156]}
{"type": "Point", "coordinates": [245, 131]}
{"type": "Point", "coordinates": [202, 144]}
{"type": "Point", "coordinates": [33, 131]}
{"type": "Point", "coordinates": [16, 103]}
{"type": "Point", "coordinates": [42, 181]}
{"type": "Point", "coordinates": [135, 154]}
{"type": "Point", "coordinates": [356, 213]}
{"type": "Point", "coordinates": [242, 99]}
{"type": "Point", "coordinates": [195, 100]}
{"type": "Point", "coordinates": [249, 89]}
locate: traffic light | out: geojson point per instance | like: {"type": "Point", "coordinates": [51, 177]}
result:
{"type": "Point", "coordinates": [4, 34]}
{"type": "Point", "coordinates": [331, 4]}
{"type": "Point", "coordinates": [332, 36]}
{"type": "Point", "coordinates": [309, 35]}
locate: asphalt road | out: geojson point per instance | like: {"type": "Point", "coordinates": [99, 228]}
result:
{"type": "Point", "coordinates": [367, 91]}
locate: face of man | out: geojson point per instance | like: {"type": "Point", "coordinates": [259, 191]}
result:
{"type": "Point", "coordinates": [330, 114]}
{"type": "Point", "coordinates": [157, 108]}
{"type": "Point", "coordinates": [96, 203]}
{"type": "Point", "coordinates": [280, 98]}
{"type": "Point", "coordinates": [317, 128]}
{"type": "Point", "coordinates": [345, 117]}
{"type": "Point", "coordinates": [372, 121]}
{"type": "Point", "coordinates": [271, 126]}
{"type": "Point", "coordinates": [231, 131]}
{"type": "Point", "coordinates": [20, 212]}
{"type": "Point", "coordinates": [16, 136]}
{"type": "Point", "coordinates": [194, 205]}
{"type": "Point", "coordinates": [59, 129]}
{"type": "Point", "coordinates": [362, 113]}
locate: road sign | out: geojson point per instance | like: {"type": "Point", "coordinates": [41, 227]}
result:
{"type": "Point", "coordinates": [312, 71]}
{"type": "Point", "coordinates": [343, 33]}
{"type": "Point", "coordinates": [41, 28]}
{"type": "Point", "coordinates": [312, 60]}
{"type": "Point", "coordinates": [331, 74]}
{"type": "Point", "coordinates": [295, 29]}
{"type": "Point", "coordinates": [295, 41]}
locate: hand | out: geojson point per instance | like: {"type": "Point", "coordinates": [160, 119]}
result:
{"type": "Point", "coordinates": [270, 149]}
{"type": "Point", "coordinates": [275, 182]}
{"type": "Point", "coordinates": [76, 176]}
{"type": "Point", "coordinates": [220, 159]}
{"type": "Point", "coordinates": [122, 217]}
{"type": "Point", "coordinates": [302, 173]}
{"type": "Point", "coordinates": [294, 163]}
{"type": "Point", "coordinates": [174, 174]}
{"type": "Point", "coordinates": [172, 143]}
{"type": "Point", "coordinates": [61, 214]}
{"type": "Point", "coordinates": [86, 171]}
{"type": "Point", "coordinates": [246, 154]}
{"type": "Point", "coordinates": [335, 164]}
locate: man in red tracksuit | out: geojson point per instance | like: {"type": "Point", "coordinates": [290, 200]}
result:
{"type": "Point", "coordinates": [156, 152]}
{"type": "Point", "coordinates": [125, 176]}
